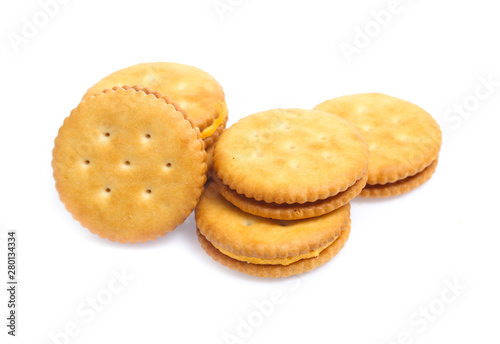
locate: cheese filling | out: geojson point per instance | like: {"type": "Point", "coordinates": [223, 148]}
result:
{"type": "Point", "coordinates": [208, 131]}
{"type": "Point", "coordinates": [276, 261]}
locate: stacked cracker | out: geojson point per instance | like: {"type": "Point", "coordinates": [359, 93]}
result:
{"type": "Point", "coordinates": [130, 164]}
{"type": "Point", "coordinates": [404, 140]}
{"type": "Point", "coordinates": [285, 179]}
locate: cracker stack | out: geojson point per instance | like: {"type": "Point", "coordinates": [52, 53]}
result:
{"type": "Point", "coordinates": [130, 164]}
{"type": "Point", "coordinates": [279, 205]}
{"type": "Point", "coordinates": [404, 140]}
{"type": "Point", "coordinates": [283, 179]}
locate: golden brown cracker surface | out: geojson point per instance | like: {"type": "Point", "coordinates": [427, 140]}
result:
{"type": "Point", "coordinates": [276, 271]}
{"type": "Point", "coordinates": [128, 165]}
{"type": "Point", "coordinates": [193, 89]}
{"type": "Point", "coordinates": [231, 229]}
{"type": "Point", "coordinates": [290, 156]}
{"type": "Point", "coordinates": [402, 137]}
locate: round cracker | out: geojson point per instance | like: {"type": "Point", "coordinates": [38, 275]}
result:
{"type": "Point", "coordinates": [128, 165]}
{"type": "Point", "coordinates": [290, 156]}
{"type": "Point", "coordinates": [233, 230]}
{"type": "Point", "coordinates": [193, 89]}
{"type": "Point", "coordinates": [401, 186]}
{"type": "Point", "coordinates": [294, 211]}
{"type": "Point", "coordinates": [276, 271]}
{"type": "Point", "coordinates": [402, 137]}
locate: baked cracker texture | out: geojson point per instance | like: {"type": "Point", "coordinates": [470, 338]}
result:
{"type": "Point", "coordinates": [196, 91]}
{"type": "Point", "coordinates": [403, 138]}
{"type": "Point", "coordinates": [129, 164]}
{"type": "Point", "coordinates": [290, 156]}
{"type": "Point", "coordinates": [222, 226]}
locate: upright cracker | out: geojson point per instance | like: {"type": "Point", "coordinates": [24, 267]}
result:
{"type": "Point", "coordinates": [290, 156]}
{"type": "Point", "coordinates": [403, 138]}
{"type": "Point", "coordinates": [129, 165]}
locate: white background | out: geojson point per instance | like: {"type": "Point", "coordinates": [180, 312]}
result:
{"type": "Point", "coordinates": [266, 54]}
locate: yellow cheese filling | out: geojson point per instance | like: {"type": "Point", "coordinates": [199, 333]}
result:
{"type": "Point", "coordinates": [208, 131]}
{"type": "Point", "coordinates": [275, 261]}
